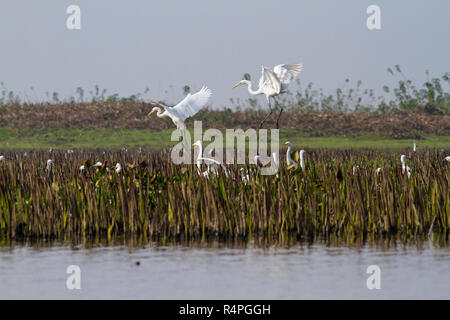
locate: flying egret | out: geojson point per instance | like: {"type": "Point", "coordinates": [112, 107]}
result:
{"type": "Point", "coordinates": [405, 168]}
{"type": "Point", "coordinates": [186, 108]}
{"type": "Point", "coordinates": [289, 160]}
{"type": "Point", "coordinates": [273, 83]}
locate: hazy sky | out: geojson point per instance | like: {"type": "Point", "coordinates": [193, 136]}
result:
{"type": "Point", "coordinates": [126, 46]}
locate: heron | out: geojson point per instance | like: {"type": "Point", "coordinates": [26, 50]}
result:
{"type": "Point", "coordinates": [118, 168]}
{"type": "Point", "coordinates": [211, 164]}
{"type": "Point", "coordinates": [186, 108]}
{"type": "Point", "coordinates": [289, 160]}
{"type": "Point", "coordinates": [405, 168]}
{"type": "Point", "coordinates": [273, 83]}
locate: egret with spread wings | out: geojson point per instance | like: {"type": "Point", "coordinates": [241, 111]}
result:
{"type": "Point", "coordinates": [273, 83]}
{"type": "Point", "coordinates": [186, 108]}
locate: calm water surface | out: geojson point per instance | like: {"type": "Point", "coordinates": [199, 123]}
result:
{"type": "Point", "coordinates": [219, 271]}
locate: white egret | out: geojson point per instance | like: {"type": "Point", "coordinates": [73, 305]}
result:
{"type": "Point", "coordinates": [186, 108]}
{"type": "Point", "coordinates": [273, 83]}
{"type": "Point", "coordinates": [211, 164]}
{"type": "Point", "coordinates": [302, 160]}
{"type": "Point", "coordinates": [118, 168]}
{"type": "Point", "coordinates": [98, 164]}
{"type": "Point", "coordinates": [49, 166]}
{"type": "Point", "coordinates": [289, 160]}
{"type": "Point", "coordinates": [245, 177]}
{"type": "Point", "coordinates": [378, 171]}
{"type": "Point", "coordinates": [405, 168]}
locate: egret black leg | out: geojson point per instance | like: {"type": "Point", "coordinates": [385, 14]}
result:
{"type": "Point", "coordinates": [265, 118]}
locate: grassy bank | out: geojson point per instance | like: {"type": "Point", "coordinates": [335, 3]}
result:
{"type": "Point", "coordinates": [118, 138]}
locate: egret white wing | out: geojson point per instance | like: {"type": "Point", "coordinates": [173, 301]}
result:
{"type": "Point", "coordinates": [270, 79]}
{"type": "Point", "coordinates": [192, 104]}
{"type": "Point", "coordinates": [287, 72]}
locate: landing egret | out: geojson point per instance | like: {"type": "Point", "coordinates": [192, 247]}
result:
{"type": "Point", "coordinates": [186, 108]}
{"type": "Point", "coordinates": [405, 168]}
{"type": "Point", "coordinates": [289, 160]}
{"type": "Point", "coordinates": [273, 83]}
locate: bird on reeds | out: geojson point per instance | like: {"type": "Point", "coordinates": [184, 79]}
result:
{"type": "Point", "coordinates": [291, 163]}
{"type": "Point", "coordinates": [378, 172]}
{"type": "Point", "coordinates": [212, 164]}
{"type": "Point", "coordinates": [273, 83]}
{"type": "Point", "coordinates": [405, 169]}
{"type": "Point", "coordinates": [186, 108]}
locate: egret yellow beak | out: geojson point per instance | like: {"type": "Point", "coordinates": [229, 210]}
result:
{"type": "Point", "coordinates": [236, 85]}
{"type": "Point", "coordinates": [150, 113]}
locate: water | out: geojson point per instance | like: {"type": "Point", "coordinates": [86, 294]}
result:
{"type": "Point", "coordinates": [218, 271]}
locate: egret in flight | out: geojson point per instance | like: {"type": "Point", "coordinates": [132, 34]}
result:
{"type": "Point", "coordinates": [273, 83]}
{"type": "Point", "coordinates": [186, 108]}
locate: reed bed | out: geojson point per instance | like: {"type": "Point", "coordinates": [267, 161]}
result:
{"type": "Point", "coordinates": [153, 198]}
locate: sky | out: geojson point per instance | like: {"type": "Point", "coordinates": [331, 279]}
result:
{"type": "Point", "coordinates": [127, 46]}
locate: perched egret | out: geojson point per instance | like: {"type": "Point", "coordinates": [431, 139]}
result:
{"type": "Point", "coordinates": [273, 83]}
{"type": "Point", "coordinates": [405, 168]}
{"type": "Point", "coordinates": [49, 166]}
{"type": "Point", "coordinates": [245, 177]}
{"type": "Point", "coordinates": [211, 164]}
{"type": "Point", "coordinates": [289, 160]}
{"type": "Point", "coordinates": [302, 160]}
{"type": "Point", "coordinates": [378, 172]}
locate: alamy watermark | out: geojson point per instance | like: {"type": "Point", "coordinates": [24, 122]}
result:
{"type": "Point", "coordinates": [237, 142]}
